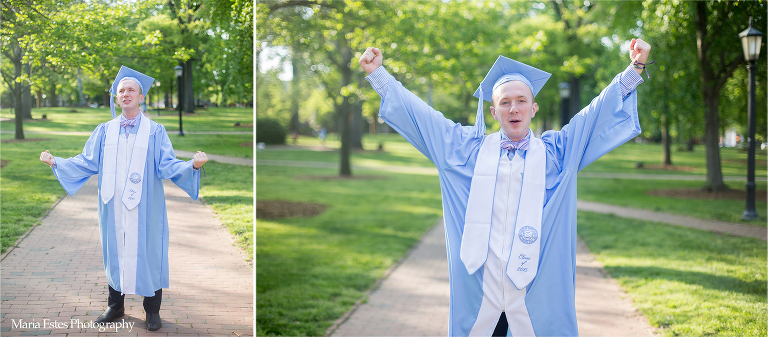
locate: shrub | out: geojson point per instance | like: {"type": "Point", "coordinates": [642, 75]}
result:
{"type": "Point", "coordinates": [269, 131]}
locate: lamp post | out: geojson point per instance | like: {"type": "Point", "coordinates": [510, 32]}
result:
{"type": "Point", "coordinates": [179, 71]}
{"type": "Point", "coordinates": [565, 93]}
{"type": "Point", "coordinates": [751, 39]}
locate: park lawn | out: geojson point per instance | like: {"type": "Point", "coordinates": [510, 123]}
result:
{"type": "Point", "coordinates": [397, 151]}
{"type": "Point", "coordinates": [228, 189]}
{"type": "Point", "coordinates": [633, 193]}
{"type": "Point", "coordinates": [310, 271]}
{"type": "Point", "coordinates": [28, 187]}
{"type": "Point", "coordinates": [624, 158]}
{"type": "Point", "coordinates": [621, 160]}
{"type": "Point", "coordinates": [220, 144]}
{"type": "Point", "coordinates": [86, 119]}
{"type": "Point", "coordinates": [685, 281]}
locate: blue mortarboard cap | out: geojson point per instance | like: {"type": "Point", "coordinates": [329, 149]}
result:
{"type": "Point", "coordinates": [145, 82]}
{"type": "Point", "coordinates": [506, 69]}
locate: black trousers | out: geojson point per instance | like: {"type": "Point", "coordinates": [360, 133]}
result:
{"type": "Point", "coordinates": [501, 326]}
{"type": "Point", "coordinates": [116, 300]}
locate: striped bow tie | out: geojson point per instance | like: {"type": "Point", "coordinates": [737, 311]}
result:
{"type": "Point", "coordinates": [128, 122]}
{"type": "Point", "coordinates": [518, 145]}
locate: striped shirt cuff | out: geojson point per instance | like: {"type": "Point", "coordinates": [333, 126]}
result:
{"type": "Point", "coordinates": [629, 80]}
{"type": "Point", "coordinates": [379, 79]}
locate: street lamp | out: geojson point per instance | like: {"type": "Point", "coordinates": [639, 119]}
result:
{"type": "Point", "coordinates": [565, 93]}
{"type": "Point", "coordinates": [179, 71]}
{"type": "Point", "coordinates": [751, 39]}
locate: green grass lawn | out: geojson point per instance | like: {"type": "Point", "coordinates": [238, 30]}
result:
{"type": "Point", "coordinates": [685, 281]}
{"type": "Point", "coordinates": [633, 193]}
{"type": "Point", "coordinates": [310, 271]}
{"type": "Point", "coordinates": [28, 187]}
{"type": "Point", "coordinates": [86, 119]}
{"type": "Point", "coordinates": [624, 158]}
{"type": "Point", "coordinates": [223, 145]}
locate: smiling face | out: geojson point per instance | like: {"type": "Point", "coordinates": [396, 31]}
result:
{"type": "Point", "coordinates": [513, 107]}
{"type": "Point", "coordinates": [129, 95]}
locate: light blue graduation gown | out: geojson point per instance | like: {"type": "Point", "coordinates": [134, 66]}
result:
{"type": "Point", "coordinates": [152, 251]}
{"type": "Point", "coordinates": [606, 123]}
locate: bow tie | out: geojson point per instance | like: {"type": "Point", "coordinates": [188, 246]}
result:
{"type": "Point", "coordinates": [128, 122]}
{"type": "Point", "coordinates": [518, 145]}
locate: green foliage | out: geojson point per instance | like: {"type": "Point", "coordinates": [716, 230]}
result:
{"type": "Point", "coordinates": [269, 131]}
{"type": "Point", "coordinates": [685, 281]}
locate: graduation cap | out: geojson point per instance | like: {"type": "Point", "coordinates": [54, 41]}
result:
{"type": "Point", "coordinates": [125, 73]}
{"type": "Point", "coordinates": [504, 70]}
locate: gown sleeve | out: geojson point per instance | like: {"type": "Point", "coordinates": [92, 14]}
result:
{"type": "Point", "coordinates": [442, 141]}
{"type": "Point", "coordinates": [179, 172]}
{"type": "Point", "coordinates": [609, 121]}
{"type": "Point", "coordinates": [73, 172]}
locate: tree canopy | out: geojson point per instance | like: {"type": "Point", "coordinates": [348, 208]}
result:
{"type": "Point", "coordinates": [442, 50]}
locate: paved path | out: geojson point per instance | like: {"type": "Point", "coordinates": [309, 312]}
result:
{"type": "Point", "coordinates": [56, 274]}
{"type": "Point", "coordinates": [413, 300]}
{"type": "Point", "coordinates": [677, 220]}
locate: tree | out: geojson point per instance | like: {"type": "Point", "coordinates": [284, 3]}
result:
{"type": "Point", "coordinates": [334, 32]}
{"type": "Point", "coordinates": [719, 52]}
{"type": "Point", "coordinates": [189, 17]}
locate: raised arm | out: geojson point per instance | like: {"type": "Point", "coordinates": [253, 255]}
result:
{"type": "Point", "coordinates": [441, 140]}
{"type": "Point", "coordinates": [609, 121]}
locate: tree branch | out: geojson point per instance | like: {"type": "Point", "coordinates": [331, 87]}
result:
{"type": "Point", "coordinates": [294, 3]}
{"type": "Point", "coordinates": [729, 70]}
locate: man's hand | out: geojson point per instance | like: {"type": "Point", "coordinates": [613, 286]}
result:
{"type": "Point", "coordinates": [199, 159]}
{"type": "Point", "coordinates": [47, 157]}
{"type": "Point", "coordinates": [638, 51]}
{"type": "Point", "coordinates": [371, 59]}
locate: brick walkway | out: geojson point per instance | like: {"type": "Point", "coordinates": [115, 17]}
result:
{"type": "Point", "coordinates": [56, 275]}
{"type": "Point", "coordinates": [413, 300]}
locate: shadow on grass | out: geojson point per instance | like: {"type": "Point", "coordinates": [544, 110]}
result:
{"type": "Point", "coordinates": [706, 280]}
{"type": "Point", "coordinates": [231, 200]}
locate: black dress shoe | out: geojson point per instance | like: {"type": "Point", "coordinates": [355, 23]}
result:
{"type": "Point", "coordinates": [110, 315]}
{"type": "Point", "coordinates": [153, 322]}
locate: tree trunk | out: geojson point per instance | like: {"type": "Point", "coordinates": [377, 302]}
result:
{"type": "Point", "coordinates": [17, 89]}
{"type": "Point", "coordinates": [26, 94]}
{"type": "Point", "coordinates": [346, 113]}
{"type": "Point", "coordinates": [710, 91]}
{"type": "Point", "coordinates": [168, 99]}
{"type": "Point", "coordinates": [39, 99]}
{"type": "Point", "coordinates": [464, 119]}
{"type": "Point", "coordinates": [575, 98]}
{"type": "Point", "coordinates": [187, 87]}
{"type": "Point", "coordinates": [80, 94]}
{"type": "Point", "coordinates": [295, 92]}
{"type": "Point", "coordinates": [53, 96]}
{"type": "Point", "coordinates": [665, 139]}
{"type": "Point", "coordinates": [356, 142]}
{"type": "Point", "coordinates": [712, 144]}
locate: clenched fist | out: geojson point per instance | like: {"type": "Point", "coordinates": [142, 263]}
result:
{"type": "Point", "coordinates": [199, 159]}
{"type": "Point", "coordinates": [638, 51]}
{"type": "Point", "coordinates": [47, 157]}
{"type": "Point", "coordinates": [371, 59]}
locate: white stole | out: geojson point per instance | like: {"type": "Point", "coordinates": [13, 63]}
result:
{"type": "Point", "coordinates": [133, 186]}
{"type": "Point", "coordinates": [524, 258]}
